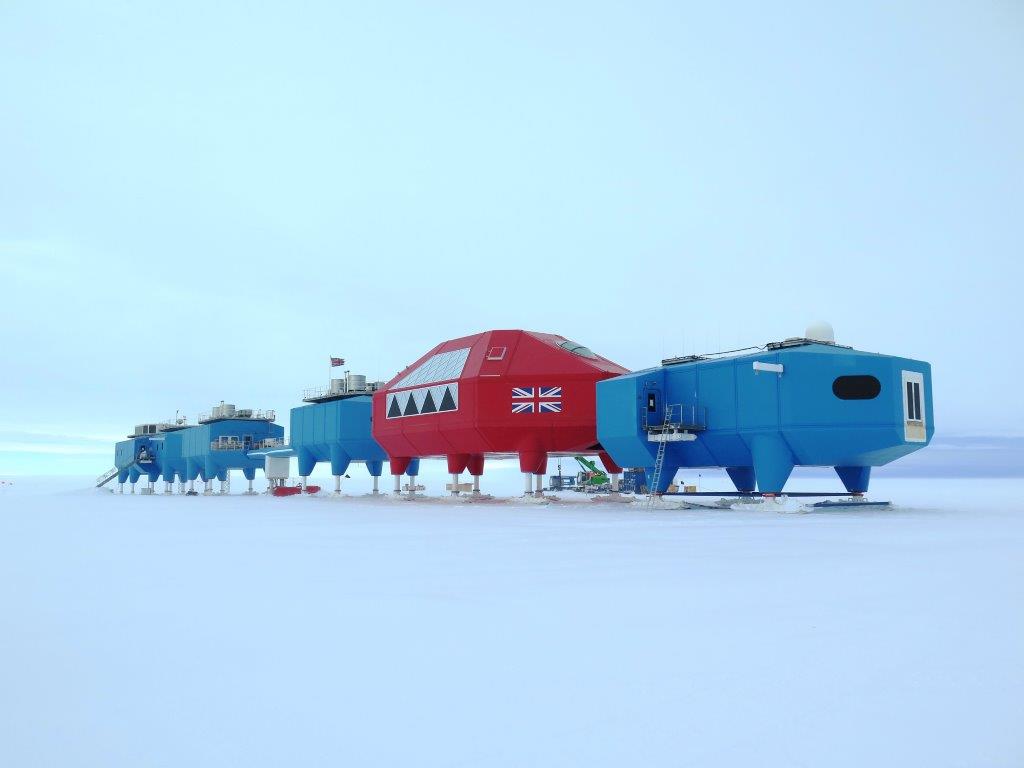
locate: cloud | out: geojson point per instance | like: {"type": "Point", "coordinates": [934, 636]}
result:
{"type": "Point", "coordinates": [32, 441]}
{"type": "Point", "coordinates": [63, 449]}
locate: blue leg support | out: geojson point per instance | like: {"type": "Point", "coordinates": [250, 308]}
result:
{"type": "Point", "coordinates": [306, 463]}
{"type": "Point", "coordinates": [743, 478]}
{"type": "Point", "coordinates": [773, 462]}
{"type": "Point", "coordinates": [414, 468]}
{"type": "Point", "coordinates": [375, 468]}
{"type": "Point", "coordinates": [339, 461]}
{"type": "Point", "coordinates": [855, 478]}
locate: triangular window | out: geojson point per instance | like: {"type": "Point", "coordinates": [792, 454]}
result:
{"type": "Point", "coordinates": [447, 402]}
{"type": "Point", "coordinates": [428, 404]}
{"type": "Point", "coordinates": [410, 407]}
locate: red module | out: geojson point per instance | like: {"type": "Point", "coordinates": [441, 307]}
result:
{"type": "Point", "coordinates": [497, 392]}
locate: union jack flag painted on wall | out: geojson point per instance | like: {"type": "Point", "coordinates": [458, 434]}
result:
{"type": "Point", "coordinates": [536, 400]}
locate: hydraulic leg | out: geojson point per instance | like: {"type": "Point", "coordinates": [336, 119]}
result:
{"type": "Point", "coordinates": [456, 464]}
{"type": "Point", "coordinates": [475, 465]}
{"type": "Point", "coordinates": [375, 468]}
{"type": "Point", "coordinates": [399, 465]}
{"type": "Point", "coordinates": [339, 465]}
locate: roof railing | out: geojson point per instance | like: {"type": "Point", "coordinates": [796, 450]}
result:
{"type": "Point", "coordinates": [240, 444]}
{"type": "Point", "coordinates": [320, 393]}
{"type": "Point", "coordinates": [241, 413]}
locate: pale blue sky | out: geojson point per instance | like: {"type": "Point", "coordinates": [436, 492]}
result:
{"type": "Point", "coordinates": [202, 201]}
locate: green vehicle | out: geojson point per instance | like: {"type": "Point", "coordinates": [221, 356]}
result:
{"type": "Point", "coordinates": [592, 478]}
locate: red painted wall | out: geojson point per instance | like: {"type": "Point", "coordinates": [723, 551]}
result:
{"type": "Point", "coordinates": [489, 419]}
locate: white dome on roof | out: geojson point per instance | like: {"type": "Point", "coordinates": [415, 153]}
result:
{"type": "Point", "coordinates": [820, 331]}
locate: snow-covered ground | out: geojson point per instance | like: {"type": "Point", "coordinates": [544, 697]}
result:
{"type": "Point", "coordinates": [253, 631]}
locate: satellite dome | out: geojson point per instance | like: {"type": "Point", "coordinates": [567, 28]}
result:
{"type": "Point", "coordinates": [820, 331]}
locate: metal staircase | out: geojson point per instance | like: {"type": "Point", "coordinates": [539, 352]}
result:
{"type": "Point", "coordinates": [106, 477]}
{"type": "Point", "coordinates": [679, 424]}
{"type": "Point", "coordinates": [659, 463]}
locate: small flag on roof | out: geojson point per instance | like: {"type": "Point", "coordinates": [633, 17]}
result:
{"type": "Point", "coordinates": [337, 361]}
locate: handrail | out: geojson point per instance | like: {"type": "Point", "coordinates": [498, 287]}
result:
{"type": "Point", "coordinates": [106, 477]}
{"type": "Point", "coordinates": [316, 393]}
{"type": "Point", "coordinates": [678, 416]}
{"type": "Point", "coordinates": [241, 413]}
{"type": "Point", "coordinates": [234, 444]}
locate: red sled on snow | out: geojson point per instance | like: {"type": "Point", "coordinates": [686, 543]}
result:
{"type": "Point", "coordinates": [292, 490]}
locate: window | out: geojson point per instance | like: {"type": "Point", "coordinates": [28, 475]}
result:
{"type": "Point", "coordinates": [496, 353]}
{"type": "Point", "coordinates": [444, 366]}
{"type": "Point", "coordinates": [576, 349]}
{"type": "Point", "coordinates": [914, 401]}
{"type": "Point", "coordinates": [652, 402]}
{"type": "Point", "coordinates": [914, 427]}
{"type": "Point", "coordinates": [856, 387]}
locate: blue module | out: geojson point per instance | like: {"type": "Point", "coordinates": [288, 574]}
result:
{"type": "Point", "coordinates": [337, 431]}
{"type": "Point", "coordinates": [154, 450]}
{"type": "Point", "coordinates": [800, 402]}
{"type": "Point", "coordinates": [137, 456]}
{"type": "Point", "coordinates": [223, 441]}
{"type": "Point", "coordinates": [169, 453]}
{"type": "Point", "coordinates": [335, 426]}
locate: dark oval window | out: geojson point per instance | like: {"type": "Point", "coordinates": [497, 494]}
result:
{"type": "Point", "coordinates": [856, 387]}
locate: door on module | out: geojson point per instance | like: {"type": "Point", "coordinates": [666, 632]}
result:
{"type": "Point", "coordinates": [913, 407]}
{"type": "Point", "coordinates": [652, 415]}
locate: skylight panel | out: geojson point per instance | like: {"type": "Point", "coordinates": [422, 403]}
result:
{"type": "Point", "coordinates": [444, 366]}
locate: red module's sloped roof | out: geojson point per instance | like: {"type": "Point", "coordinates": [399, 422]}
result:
{"type": "Point", "coordinates": [493, 392]}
